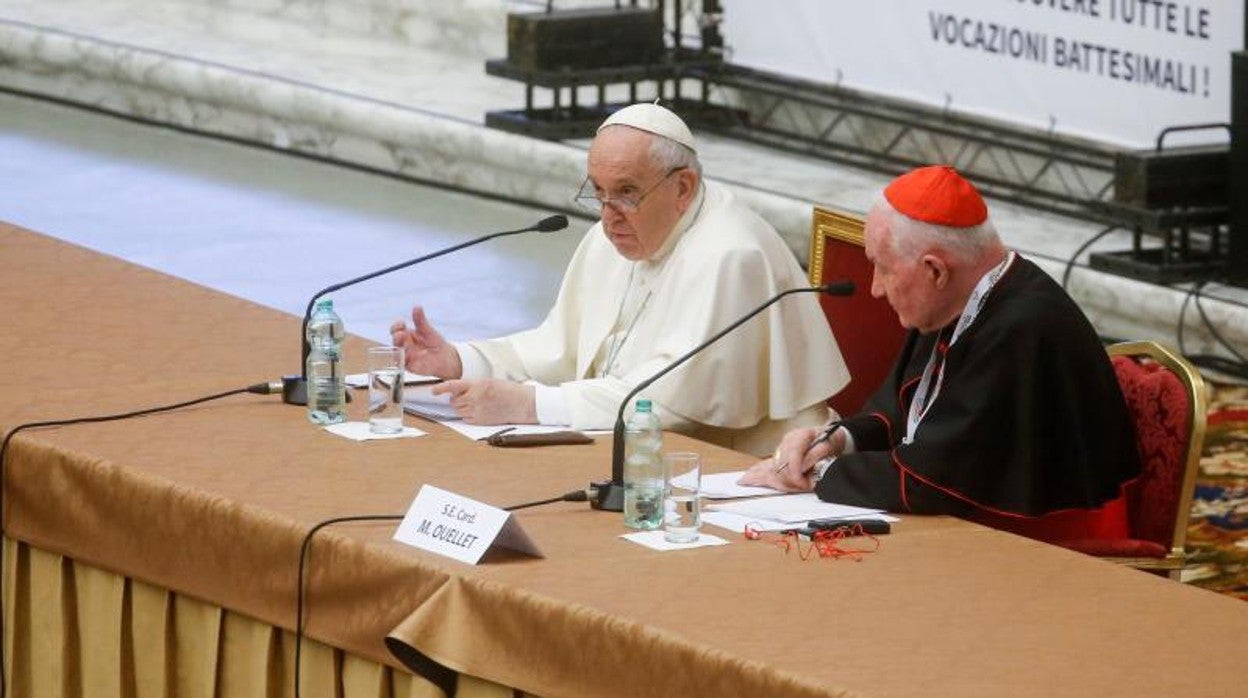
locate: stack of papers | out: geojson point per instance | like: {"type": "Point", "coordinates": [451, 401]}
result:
{"type": "Point", "coordinates": [783, 512]}
{"type": "Point", "coordinates": [420, 401]}
{"type": "Point", "coordinates": [360, 380]}
{"type": "Point", "coordinates": [795, 509]}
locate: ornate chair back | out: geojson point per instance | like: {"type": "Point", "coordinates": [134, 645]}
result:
{"type": "Point", "coordinates": [1166, 397]}
{"type": "Point", "coordinates": [866, 328]}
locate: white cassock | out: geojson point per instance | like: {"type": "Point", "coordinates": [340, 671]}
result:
{"type": "Point", "coordinates": [618, 322]}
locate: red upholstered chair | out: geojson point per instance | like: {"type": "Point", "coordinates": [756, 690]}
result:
{"type": "Point", "coordinates": [1167, 400]}
{"type": "Point", "coordinates": [867, 329]}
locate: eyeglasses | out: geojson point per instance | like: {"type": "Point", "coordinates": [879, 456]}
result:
{"type": "Point", "coordinates": [590, 201]}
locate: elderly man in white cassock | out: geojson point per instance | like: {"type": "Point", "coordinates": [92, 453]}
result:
{"type": "Point", "coordinates": [673, 260]}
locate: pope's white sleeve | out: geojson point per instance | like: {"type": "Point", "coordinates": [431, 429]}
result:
{"type": "Point", "coordinates": [474, 363]}
{"type": "Point", "coordinates": [552, 408]}
{"type": "Point", "coordinates": [593, 403]}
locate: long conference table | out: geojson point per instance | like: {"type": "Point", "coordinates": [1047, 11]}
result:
{"type": "Point", "coordinates": [158, 555]}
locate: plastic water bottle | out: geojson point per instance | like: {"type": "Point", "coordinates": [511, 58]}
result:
{"type": "Point", "coordinates": [327, 390]}
{"type": "Point", "coordinates": [643, 469]}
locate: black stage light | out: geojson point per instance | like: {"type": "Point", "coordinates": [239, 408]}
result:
{"type": "Point", "coordinates": [1237, 255]}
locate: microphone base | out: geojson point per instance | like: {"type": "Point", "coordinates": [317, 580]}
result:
{"type": "Point", "coordinates": [294, 390]}
{"type": "Point", "coordinates": [607, 496]}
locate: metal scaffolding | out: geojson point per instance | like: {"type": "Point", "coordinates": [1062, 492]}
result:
{"type": "Point", "coordinates": [1010, 162]}
{"type": "Point", "coordinates": [1042, 170]}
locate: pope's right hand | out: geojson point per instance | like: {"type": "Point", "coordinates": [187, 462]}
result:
{"type": "Point", "coordinates": [424, 349]}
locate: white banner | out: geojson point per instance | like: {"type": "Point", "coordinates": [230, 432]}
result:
{"type": "Point", "coordinates": [1116, 71]}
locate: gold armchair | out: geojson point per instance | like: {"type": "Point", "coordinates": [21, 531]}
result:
{"type": "Point", "coordinates": [1166, 397]}
{"type": "Point", "coordinates": [866, 328]}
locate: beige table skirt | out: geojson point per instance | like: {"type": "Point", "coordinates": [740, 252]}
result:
{"type": "Point", "coordinates": [76, 630]}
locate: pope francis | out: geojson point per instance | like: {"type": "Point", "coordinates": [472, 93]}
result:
{"type": "Point", "coordinates": [673, 259]}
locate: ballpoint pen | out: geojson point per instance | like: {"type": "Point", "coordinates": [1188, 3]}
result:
{"type": "Point", "coordinates": [824, 435]}
{"type": "Point", "coordinates": [500, 432]}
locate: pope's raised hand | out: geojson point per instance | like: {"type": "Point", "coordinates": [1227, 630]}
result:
{"type": "Point", "coordinates": [424, 349]}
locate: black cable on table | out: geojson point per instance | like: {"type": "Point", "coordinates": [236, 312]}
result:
{"type": "Point", "coordinates": [573, 496]}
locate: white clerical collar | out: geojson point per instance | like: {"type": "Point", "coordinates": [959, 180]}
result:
{"type": "Point", "coordinates": [683, 224]}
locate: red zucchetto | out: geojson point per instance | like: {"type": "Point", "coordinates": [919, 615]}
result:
{"type": "Point", "coordinates": [937, 194]}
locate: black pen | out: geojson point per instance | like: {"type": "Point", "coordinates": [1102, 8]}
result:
{"type": "Point", "coordinates": [852, 527]}
{"type": "Point", "coordinates": [824, 435]}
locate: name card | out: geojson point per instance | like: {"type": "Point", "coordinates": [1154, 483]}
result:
{"type": "Point", "coordinates": [445, 523]}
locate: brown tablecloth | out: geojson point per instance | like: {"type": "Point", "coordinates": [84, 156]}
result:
{"type": "Point", "coordinates": [212, 501]}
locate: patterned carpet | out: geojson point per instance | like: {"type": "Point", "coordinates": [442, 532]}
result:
{"type": "Point", "coordinates": [1217, 534]}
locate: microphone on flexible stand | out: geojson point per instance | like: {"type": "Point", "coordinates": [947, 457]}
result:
{"type": "Point", "coordinates": [295, 388]}
{"type": "Point", "coordinates": [609, 495]}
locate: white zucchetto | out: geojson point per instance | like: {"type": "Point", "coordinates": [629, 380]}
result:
{"type": "Point", "coordinates": [652, 118]}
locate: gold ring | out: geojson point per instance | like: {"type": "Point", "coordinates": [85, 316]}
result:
{"type": "Point", "coordinates": [777, 466]}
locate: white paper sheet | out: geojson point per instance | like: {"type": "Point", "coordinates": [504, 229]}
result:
{"type": "Point", "coordinates": [430, 410]}
{"type": "Point", "coordinates": [737, 523]}
{"type": "Point", "coordinates": [655, 541]}
{"type": "Point", "coordinates": [478, 433]}
{"type": "Point", "coordinates": [724, 486]}
{"type": "Point", "coordinates": [358, 431]}
{"type": "Point", "coordinates": [420, 401]}
{"type": "Point", "coordinates": [792, 508]}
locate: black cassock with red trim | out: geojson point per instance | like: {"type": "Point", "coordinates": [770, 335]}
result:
{"type": "Point", "coordinates": [1028, 432]}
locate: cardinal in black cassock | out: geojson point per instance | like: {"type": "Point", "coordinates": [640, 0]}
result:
{"type": "Point", "coordinates": [1028, 431]}
{"type": "Point", "coordinates": [1010, 413]}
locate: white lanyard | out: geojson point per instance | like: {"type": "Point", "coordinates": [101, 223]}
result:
{"type": "Point", "coordinates": [931, 380]}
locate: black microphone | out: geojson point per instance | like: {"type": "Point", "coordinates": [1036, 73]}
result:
{"type": "Point", "coordinates": [295, 388]}
{"type": "Point", "coordinates": [609, 496]}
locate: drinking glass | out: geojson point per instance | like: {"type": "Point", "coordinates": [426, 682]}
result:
{"type": "Point", "coordinates": [385, 390]}
{"type": "Point", "coordinates": [682, 500]}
